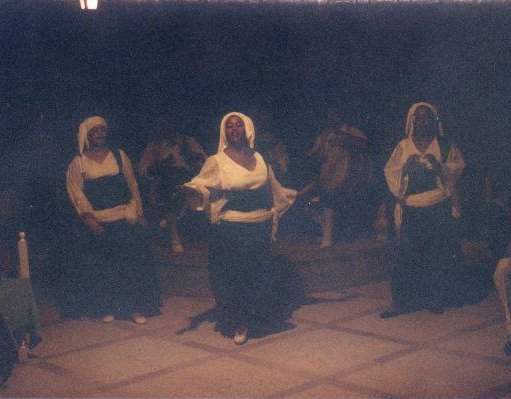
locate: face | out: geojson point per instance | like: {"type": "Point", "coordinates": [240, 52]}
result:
{"type": "Point", "coordinates": [97, 136]}
{"type": "Point", "coordinates": [425, 124]}
{"type": "Point", "coordinates": [235, 134]}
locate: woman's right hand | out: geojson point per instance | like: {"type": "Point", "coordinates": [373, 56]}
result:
{"type": "Point", "coordinates": [93, 226]}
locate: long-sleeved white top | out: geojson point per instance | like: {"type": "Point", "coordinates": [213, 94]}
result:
{"type": "Point", "coordinates": [397, 183]}
{"type": "Point", "coordinates": [220, 174]}
{"type": "Point", "coordinates": [83, 168]}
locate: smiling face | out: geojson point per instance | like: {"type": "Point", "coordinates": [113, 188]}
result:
{"type": "Point", "coordinates": [97, 136]}
{"type": "Point", "coordinates": [235, 134]}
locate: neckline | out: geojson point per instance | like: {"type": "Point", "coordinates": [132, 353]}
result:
{"type": "Point", "coordinates": [98, 162]}
{"type": "Point", "coordinates": [240, 165]}
{"type": "Point", "coordinates": [426, 150]}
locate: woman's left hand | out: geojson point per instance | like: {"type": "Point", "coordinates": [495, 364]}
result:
{"type": "Point", "coordinates": [436, 166]}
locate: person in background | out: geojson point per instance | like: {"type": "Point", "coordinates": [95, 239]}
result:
{"type": "Point", "coordinates": [116, 275]}
{"type": "Point", "coordinates": [168, 161]}
{"type": "Point", "coordinates": [272, 148]}
{"type": "Point", "coordinates": [344, 178]}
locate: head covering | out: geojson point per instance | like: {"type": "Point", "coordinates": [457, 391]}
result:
{"type": "Point", "coordinates": [83, 130]}
{"type": "Point", "coordinates": [409, 128]}
{"type": "Point", "coordinates": [249, 130]}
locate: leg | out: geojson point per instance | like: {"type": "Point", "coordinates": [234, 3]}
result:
{"type": "Point", "coordinates": [175, 239]}
{"type": "Point", "coordinates": [501, 279]}
{"type": "Point", "coordinates": [327, 225]}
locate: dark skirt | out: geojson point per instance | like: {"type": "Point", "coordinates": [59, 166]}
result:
{"type": "Point", "coordinates": [113, 274]}
{"type": "Point", "coordinates": [429, 268]}
{"type": "Point", "coordinates": [251, 286]}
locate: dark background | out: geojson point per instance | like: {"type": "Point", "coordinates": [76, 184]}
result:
{"type": "Point", "coordinates": [132, 62]}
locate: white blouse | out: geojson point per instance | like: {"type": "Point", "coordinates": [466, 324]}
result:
{"type": "Point", "coordinates": [83, 168]}
{"type": "Point", "coordinates": [397, 183]}
{"type": "Point", "coordinates": [220, 173]}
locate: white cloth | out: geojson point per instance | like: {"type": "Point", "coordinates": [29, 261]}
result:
{"type": "Point", "coordinates": [83, 131]}
{"type": "Point", "coordinates": [83, 168]}
{"type": "Point", "coordinates": [398, 184]}
{"type": "Point", "coordinates": [220, 174]}
{"type": "Point", "coordinates": [410, 118]}
{"type": "Point", "coordinates": [249, 130]}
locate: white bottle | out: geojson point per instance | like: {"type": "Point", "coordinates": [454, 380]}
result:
{"type": "Point", "coordinates": [23, 352]}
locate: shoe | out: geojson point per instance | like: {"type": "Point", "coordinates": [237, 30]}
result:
{"type": "Point", "coordinates": [108, 318]}
{"type": "Point", "coordinates": [325, 243]}
{"type": "Point", "coordinates": [391, 312]}
{"type": "Point", "coordinates": [178, 248]}
{"type": "Point", "coordinates": [240, 336]}
{"type": "Point", "coordinates": [435, 308]}
{"type": "Point", "coordinates": [138, 318]}
{"type": "Point", "coordinates": [507, 348]}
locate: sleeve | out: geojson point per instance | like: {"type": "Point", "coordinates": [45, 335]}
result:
{"type": "Point", "coordinates": [74, 186]}
{"type": "Point", "coordinates": [136, 201]}
{"type": "Point", "coordinates": [283, 197]}
{"type": "Point", "coordinates": [454, 166]}
{"type": "Point", "coordinates": [394, 169]}
{"type": "Point", "coordinates": [199, 188]}
{"type": "Point", "coordinates": [317, 148]}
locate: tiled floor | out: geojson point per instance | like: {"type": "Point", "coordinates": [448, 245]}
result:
{"type": "Point", "coordinates": [339, 348]}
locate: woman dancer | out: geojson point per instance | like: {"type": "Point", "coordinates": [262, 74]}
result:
{"type": "Point", "coordinates": [255, 292]}
{"type": "Point", "coordinates": [116, 276]}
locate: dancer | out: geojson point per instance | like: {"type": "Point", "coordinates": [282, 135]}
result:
{"type": "Point", "coordinates": [255, 292]}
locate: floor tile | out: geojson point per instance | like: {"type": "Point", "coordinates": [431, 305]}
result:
{"type": "Point", "coordinates": [323, 352]}
{"type": "Point", "coordinates": [202, 334]}
{"type": "Point", "coordinates": [29, 380]}
{"type": "Point", "coordinates": [329, 309]}
{"type": "Point", "coordinates": [487, 341]}
{"type": "Point", "coordinates": [221, 378]}
{"type": "Point", "coordinates": [74, 334]}
{"type": "Point", "coordinates": [184, 307]}
{"type": "Point", "coordinates": [106, 364]}
{"type": "Point", "coordinates": [153, 351]}
{"type": "Point", "coordinates": [429, 374]}
{"type": "Point", "coordinates": [326, 391]}
{"type": "Point", "coordinates": [379, 291]}
{"type": "Point", "coordinates": [421, 326]}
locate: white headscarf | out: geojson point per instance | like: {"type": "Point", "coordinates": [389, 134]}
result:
{"type": "Point", "coordinates": [410, 119]}
{"type": "Point", "coordinates": [83, 130]}
{"type": "Point", "coordinates": [249, 130]}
